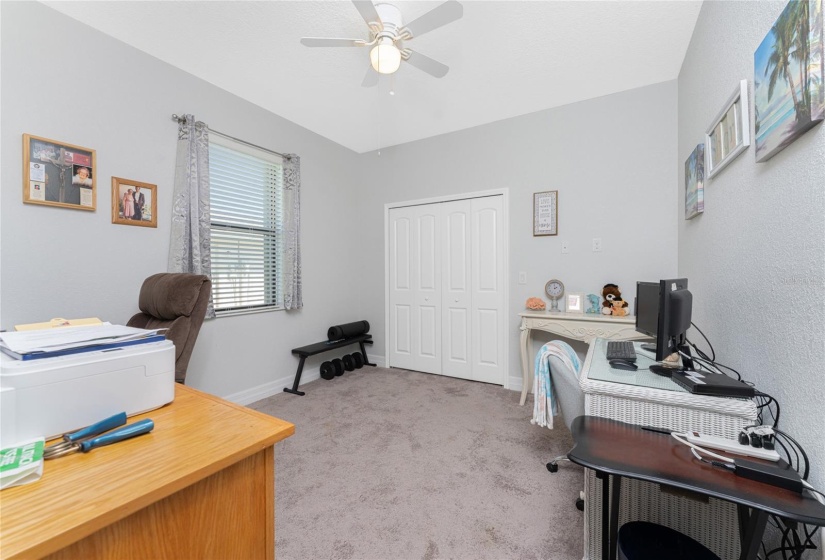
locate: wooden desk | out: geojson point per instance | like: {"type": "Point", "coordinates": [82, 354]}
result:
{"type": "Point", "coordinates": [624, 450]}
{"type": "Point", "coordinates": [575, 326]}
{"type": "Point", "coordinates": [201, 485]}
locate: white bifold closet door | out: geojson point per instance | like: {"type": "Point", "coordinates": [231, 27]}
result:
{"type": "Point", "coordinates": [487, 282]}
{"type": "Point", "coordinates": [456, 311]}
{"type": "Point", "coordinates": [447, 288]}
{"type": "Point", "coordinates": [415, 288]}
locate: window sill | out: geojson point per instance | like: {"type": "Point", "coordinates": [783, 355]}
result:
{"type": "Point", "coordinates": [236, 312]}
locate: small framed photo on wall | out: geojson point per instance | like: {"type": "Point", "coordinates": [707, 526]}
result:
{"type": "Point", "coordinates": [695, 183]}
{"type": "Point", "coordinates": [134, 203]}
{"type": "Point", "coordinates": [545, 213]}
{"type": "Point", "coordinates": [58, 174]}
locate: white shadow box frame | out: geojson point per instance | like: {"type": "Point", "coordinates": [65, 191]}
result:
{"type": "Point", "coordinates": [729, 134]}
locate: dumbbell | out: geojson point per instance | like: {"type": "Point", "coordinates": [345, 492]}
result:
{"type": "Point", "coordinates": [349, 365]}
{"type": "Point", "coordinates": [327, 371]}
{"type": "Point", "coordinates": [338, 365]}
{"type": "Point", "coordinates": [357, 360]}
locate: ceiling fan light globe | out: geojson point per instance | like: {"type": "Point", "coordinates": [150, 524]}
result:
{"type": "Point", "coordinates": [385, 58]}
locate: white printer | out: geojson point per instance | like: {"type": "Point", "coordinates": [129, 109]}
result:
{"type": "Point", "coordinates": [52, 396]}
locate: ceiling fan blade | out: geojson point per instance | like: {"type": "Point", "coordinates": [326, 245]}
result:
{"type": "Point", "coordinates": [446, 13]}
{"type": "Point", "coordinates": [367, 10]}
{"type": "Point", "coordinates": [326, 42]}
{"type": "Point", "coordinates": [427, 64]}
{"type": "Point", "coordinates": [371, 78]}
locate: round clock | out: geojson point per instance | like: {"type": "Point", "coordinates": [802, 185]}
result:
{"type": "Point", "coordinates": [554, 290]}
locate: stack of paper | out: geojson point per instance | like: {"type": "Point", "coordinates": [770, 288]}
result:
{"type": "Point", "coordinates": [47, 343]}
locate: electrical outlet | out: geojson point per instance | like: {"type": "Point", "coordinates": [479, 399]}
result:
{"type": "Point", "coordinates": [565, 246]}
{"type": "Point", "coordinates": [522, 277]}
{"type": "Point", "coordinates": [597, 244]}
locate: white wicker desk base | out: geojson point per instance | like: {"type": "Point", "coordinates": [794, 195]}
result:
{"type": "Point", "coordinates": [713, 524]}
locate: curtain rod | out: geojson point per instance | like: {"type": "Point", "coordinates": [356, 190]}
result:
{"type": "Point", "coordinates": [178, 119]}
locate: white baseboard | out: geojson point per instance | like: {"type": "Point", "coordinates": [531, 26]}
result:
{"type": "Point", "coordinates": [249, 396]}
{"type": "Point", "coordinates": [254, 394]}
{"type": "Point", "coordinates": [515, 383]}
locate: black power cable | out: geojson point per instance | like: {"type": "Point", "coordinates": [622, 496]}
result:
{"type": "Point", "coordinates": [712, 352]}
{"type": "Point", "coordinates": [796, 538]}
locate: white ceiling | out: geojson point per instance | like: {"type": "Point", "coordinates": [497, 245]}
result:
{"type": "Point", "coordinates": [505, 58]}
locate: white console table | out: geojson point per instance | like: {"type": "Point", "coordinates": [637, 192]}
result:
{"type": "Point", "coordinates": [576, 326]}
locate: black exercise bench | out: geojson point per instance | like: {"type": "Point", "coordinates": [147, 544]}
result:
{"type": "Point", "coordinates": [319, 348]}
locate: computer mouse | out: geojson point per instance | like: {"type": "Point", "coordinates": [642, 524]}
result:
{"type": "Point", "coordinates": [623, 364]}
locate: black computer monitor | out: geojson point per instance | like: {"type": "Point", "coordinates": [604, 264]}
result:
{"type": "Point", "coordinates": [647, 308]}
{"type": "Point", "coordinates": [663, 311]}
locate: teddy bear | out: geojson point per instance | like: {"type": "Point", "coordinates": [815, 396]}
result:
{"type": "Point", "coordinates": [612, 295]}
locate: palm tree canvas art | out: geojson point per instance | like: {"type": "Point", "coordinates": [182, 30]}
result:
{"type": "Point", "coordinates": [695, 182]}
{"type": "Point", "coordinates": [789, 78]}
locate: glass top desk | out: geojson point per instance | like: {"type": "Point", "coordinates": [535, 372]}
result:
{"type": "Point", "coordinates": [600, 369]}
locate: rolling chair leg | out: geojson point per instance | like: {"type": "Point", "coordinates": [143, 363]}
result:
{"type": "Point", "coordinates": [553, 466]}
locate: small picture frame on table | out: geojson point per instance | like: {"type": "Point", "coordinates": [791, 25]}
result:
{"type": "Point", "coordinates": [729, 134]}
{"type": "Point", "coordinates": [575, 302]}
{"type": "Point", "coordinates": [58, 174]}
{"type": "Point", "coordinates": [134, 203]}
{"type": "Point", "coordinates": [545, 213]}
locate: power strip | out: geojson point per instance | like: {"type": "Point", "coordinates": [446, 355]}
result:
{"type": "Point", "coordinates": [732, 446]}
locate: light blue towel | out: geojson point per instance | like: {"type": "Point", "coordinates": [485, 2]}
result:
{"type": "Point", "coordinates": [544, 403]}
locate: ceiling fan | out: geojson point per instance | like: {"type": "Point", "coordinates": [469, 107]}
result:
{"type": "Point", "coordinates": [387, 36]}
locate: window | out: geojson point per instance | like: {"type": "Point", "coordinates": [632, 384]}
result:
{"type": "Point", "coordinates": [246, 193]}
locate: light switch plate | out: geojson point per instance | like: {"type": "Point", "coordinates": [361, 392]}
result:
{"type": "Point", "coordinates": [522, 277]}
{"type": "Point", "coordinates": [565, 247]}
{"type": "Point", "coordinates": [597, 244]}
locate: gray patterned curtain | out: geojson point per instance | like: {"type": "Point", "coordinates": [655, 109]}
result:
{"type": "Point", "coordinates": [189, 249]}
{"type": "Point", "coordinates": [293, 297]}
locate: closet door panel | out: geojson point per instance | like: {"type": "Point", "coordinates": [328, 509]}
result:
{"type": "Point", "coordinates": [456, 295]}
{"type": "Point", "coordinates": [401, 288]}
{"type": "Point", "coordinates": [427, 288]}
{"type": "Point", "coordinates": [487, 281]}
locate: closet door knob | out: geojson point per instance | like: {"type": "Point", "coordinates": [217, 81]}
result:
{"type": "Point", "coordinates": [456, 300]}
{"type": "Point", "coordinates": [426, 299]}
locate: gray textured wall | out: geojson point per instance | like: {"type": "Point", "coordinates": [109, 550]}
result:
{"type": "Point", "coordinates": [756, 258]}
{"type": "Point", "coordinates": [78, 85]}
{"type": "Point", "coordinates": [610, 158]}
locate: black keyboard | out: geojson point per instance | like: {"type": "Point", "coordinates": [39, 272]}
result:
{"type": "Point", "coordinates": [621, 350]}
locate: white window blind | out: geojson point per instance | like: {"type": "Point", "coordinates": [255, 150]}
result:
{"type": "Point", "coordinates": [246, 194]}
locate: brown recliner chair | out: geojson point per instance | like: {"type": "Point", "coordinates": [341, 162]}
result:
{"type": "Point", "coordinates": [175, 301]}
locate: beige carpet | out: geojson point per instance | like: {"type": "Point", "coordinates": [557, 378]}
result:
{"type": "Point", "coordinates": [392, 464]}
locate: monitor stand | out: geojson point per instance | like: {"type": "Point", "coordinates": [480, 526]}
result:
{"type": "Point", "coordinates": [687, 362]}
{"type": "Point", "coordinates": [662, 370]}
